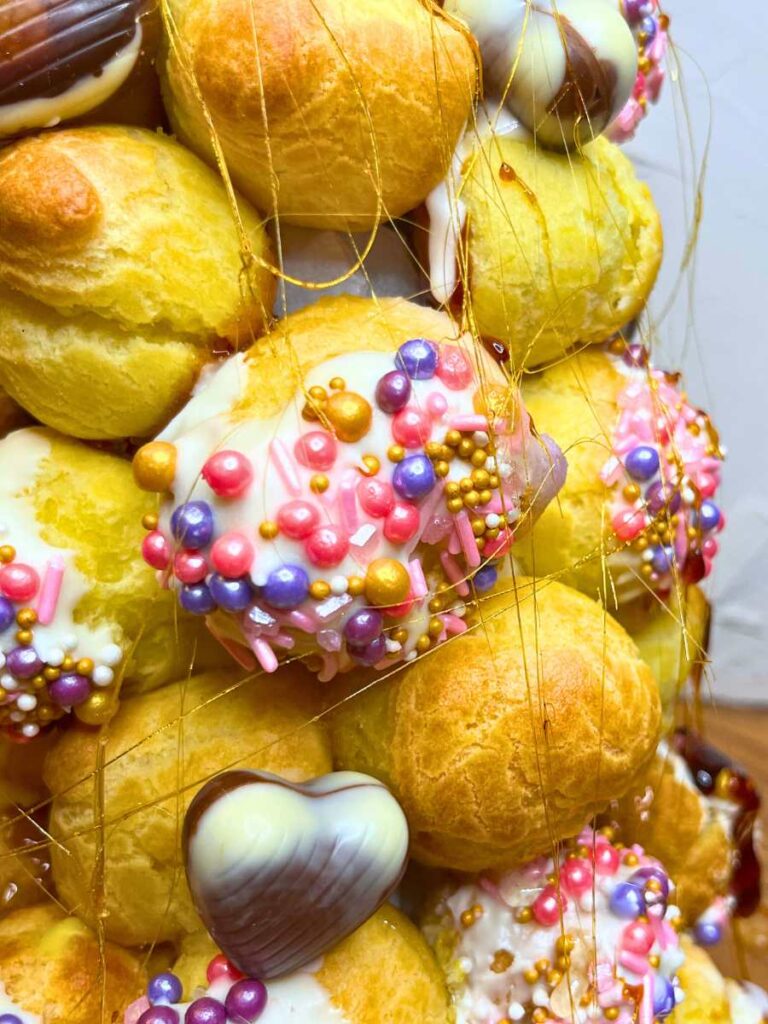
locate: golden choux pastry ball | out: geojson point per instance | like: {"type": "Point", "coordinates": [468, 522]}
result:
{"type": "Point", "coordinates": [559, 248]}
{"type": "Point", "coordinates": [128, 800]}
{"type": "Point", "coordinates": [117, 287]}
{"type": "Point", "coordinates": [510, 736]}
{"type": "Point", "coordinates": [335, 114]}
{"type": "Point", "coordinates": [383, 973]}
{"type": "Point", "coordinates": [52, 965]}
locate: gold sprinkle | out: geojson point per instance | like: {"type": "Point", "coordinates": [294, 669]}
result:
{"type": "Point", "coordinates": [611, 1012]}
{"type": "Point", "coordinates": [531, 975]}
{"type": "Point", "coordinates": [485, 497]}
{"type": "Point", "coordinates": [38, 682]}
{"type": "Point", "coordinates": [452, 489]}
{"type": "Point", "coordinates": [455, 504]}
{"type": "Point", "coordinates": [630, 859]}
{"type": "Point", "coordinates": [466, 448]}
{"type": "Point", "coordinates": [319, 394]}
{"type": "Point", "coordinates": [7, 553]}
{"type": "Point", "coordinates": [149, 521]}
{"type": "Point", "coordinates": [355, 586]}
{"type": "Point", "coordinates": [524, 915]}
{"type": "Point", "coordinates": [337, 384]}
{"type": "Point", "coordinates": [319, 590]}
{"type": "Point", "coordinates": [481, 478]}
{"type": "Point", "coordinates": [400, 635]}
{"type": "Point", "coordinates": [51, 673]}
{"type": "Point", "coordinates": [467, 918]}
{"type": "Point", "coordinates": [493, 481]}
{"type": "Point", "coordinates": [539, 1015]}
{"type": "Point", "coordinates": [24, 637]}
{"type": "Point", "coordinates": [478, 527]}
{"type": "Point", "coordinates": [26, 617]}
{"type": "Point", "coordinates": [479, 455]}
{"type": "Point", "coordinates": [433, 449]}
{"type": "Point", "coordinates": [435, 628]}
{"type": "Point", "coordinates": [471, 499]}
{"type": "Point", "coordinates": [84, 666]}
{"type": "Point", "coordinates": [442, 468]}
{"type": "Point", "coordinates": [395, 453]}
{"type": "Point", "coordinates": [319, 483]}
{"type": "Point", "coordinates": [542, 965]}
{"type": "Point", "coordinates": [436, 605]}
{"type": "Point", "coordinates": [423, 644]}
{"type": "Point", "coordinates": [565, 943]}
{"type": "Point", "coordinates": [654, 960]}
{"type": "Point", "coordinates": [554, 978]}
{"type": "Point", "coordinates": [453, 438]}
{"type": "Point", "coordinates": [631, 492]}
{"type": "Point", "coordinates": [268, 529]}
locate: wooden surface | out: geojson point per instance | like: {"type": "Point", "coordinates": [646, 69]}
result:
{"type": "Point", "coordinates": [743, 734]}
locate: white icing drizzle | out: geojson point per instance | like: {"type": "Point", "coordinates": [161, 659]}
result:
{"type": "Point", "coordinates": [85, 95]}
{"type": "Point", "coordinates": [8, 1006]}
{"type": "Point", "coordinates": [22, 455]}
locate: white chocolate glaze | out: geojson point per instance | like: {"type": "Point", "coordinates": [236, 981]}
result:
{"type": "Point", "coordinates": [83, 96]}
{"type": "Point", "coordinates": [23, 455]}
{"type": "Point", "coordinates": [8, 1006]}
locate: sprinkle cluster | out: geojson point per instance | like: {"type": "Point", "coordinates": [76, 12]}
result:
{"type": "Point", "coordinates": [649, 27]}
{"type": "Point", "coordinates": [41, 680]}
{"type": "Point", "coordinates": [231, 998]}
{"type": "Point", "coordinates": [664, 474]}
{"type": "Point", "coordinates": [591, 936]}
{"type": "Point", "coordinates": [424, 457]}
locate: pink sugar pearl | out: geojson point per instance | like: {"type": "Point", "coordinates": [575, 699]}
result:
{"type": "Point", "coordinates": [297, 519]}
{"type": "Point", "coordinates": [577, 876]}
{"type": "Point", "coordinates": [326, 546]}
{"type": "Point", "coordinates": [376, 497]}
{"type": "Point", "coordinates": [411, 427]}
{"type": "Point", "coordinates": [547, 906]}
{"type": "Point", "coordinates": [232, 555]}
{"type": "Point", "coordinates": [638, 938]}
{"type": "Point", "coordinates": [228, 473]}
{"type": "Point", "coordinates": [155, 550]}
{"type": "Point", "coordinates": [190, 566]}
{"type": "Point", "coordinates": [453, 368]}
{"type": "Point", "coordinates": [316, 450]}
{"type": "Point", "coordinates": [606, 859]}
{"type": "Point", "coordinates": [628, 524]}
{"type": "Point", "coordinates": [19, 582]}
{"type": "Point", "coordinates": [402, 523]}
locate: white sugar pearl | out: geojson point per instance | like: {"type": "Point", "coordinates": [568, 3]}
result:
{"type": "Point", "coordinates": [55, 656]}
{"type": "Point", "coordinates": [459, 609]}
{"type": "Point", "coordinates": [513, 515]}
{"type": "Point", "coordinates": [648, 555]}
{"type": "Point", "coordinates": [393, 647]}
{"type": "Point", "coordinates": [410, 656]}
{"type": "Point", "coordinates": [69, 641]}
{"type": "Point", "coordinates": [102, 675]}
{"type": "Point", "coordinates": [540, 996]}
{"type": "Point", "coordinates": [466, 963]}
{"type": "Point", "coordinates": [480, 437]}
{"type": "Point", "coordinates": [339, 585]}
{"type": "Point", "coordinates": [492, 520]}
{"type": "Point", "coordinates": [490, 464]}
{"type": "Point", "coordinates": [30, 729]}
{"type": "Point", "coordinates": [516, 1011]}
{"type": "Point", "coordinates": [26, 702]}
{"type": "Point", "coordinates": [260, 579]}
{"type": "Point", "coordinates": [16, 716]}
{"type": "Point", "coordinates": [505, 470]}
{"type": "Point", "coordinates": [111, 655]}
{"type": "Point", "coordinates": [2, 660]}
{"type": "Point", "coordinates": [8, 682]}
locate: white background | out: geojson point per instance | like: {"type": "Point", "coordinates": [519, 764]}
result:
{"type": "Point", "coordinates": [716, 328]}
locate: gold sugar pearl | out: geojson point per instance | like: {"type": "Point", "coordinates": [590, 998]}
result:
{"type": "Point", "coordinates": [453, 438]}
{"type": "Point", "coordinates": [395, 453]}
{"type": "Point", "coordinates": [466, 448]}
{"type": "Point", "coordinates": [466, 485]}
{"type": "Point", "coordinates": [436, 605]}
{"type": "Point", "coordinates": [97, 709]}
{"type": "Point", "coordinates": [481, 478]}
{"type": "Point", "coordinates": [478, 527]}
{"type": "Point", "coordinates": [24, 637]}
{"type": "Point", "coordinates": [485, 497]}
{"type": "Point", "coordinates": [309, 412]}
{"type": "Point", "coordinates": [502, 961]}
{"type": "Point", "coordinates": [51, 673]}
{"type": "Point", "coordinates": [85, 666]}
{"type": "Point", "coordinates": [563, 962]}
{"type": "Point", "coordinates": [493, 481]}
{"type": "Point", "coordinates": [319, 483]}
{"type": "Point", "coordinates": [355, 586]}
{"type": "Point", "coordinates": [630, 859]}
{"type": "Point", "coordinates": [565, 943]}
{"type": "Point", "coordinates": [318, 393]}
{"type": "Point", "coordinates": [26, 617]}
{"type": "Point", "coordinates": [646, 570]}
{"type": "Point", "coordinates": [640, 544]}
{"type": "Point", "coordinates": [337, 384]}
{"type": "Point", "coordinates": [371, 465]}
{"type": "Point", "coordinates": [38, 682]}
{"type": "Point", "coordinates": [154, 466]}
{"type": "Point", "coordinates": [3, 694]}
{"type": "Point", "coordinates": [319, 590]}
{"type": "Point", "coordinates": [350, 415]}
{"type": "Point", "coordinates": [435, 628]}
{"type": "Point", "coordinates": [423, 644]}
{"type": "Point", "coordinates": [654, 960]}
{"type": "Point", "coordinates": [150, 521]}
{"type": "Point", "coordinates": [652, 884]}
{"type": "Point", "coordinates": [524, 915]}
{"type": "Point", "coordinates": [467, 918]}
{"type": "Point", "coordinates": [442, 468]}
{"type": "Point", "coordinates": [7, 553]}
{"type": "Point", "coordinates": [542, 965]}
{"type": "Point", "coordinates": [531, 975]}
{"type": "Point", "coordinates": [479, 455]}
{"type": "Point", "coordinates": [268, 529]}
{"type": "Point", "coordinates": [539, 1015]}
{"type": "Point", "coordinates": [480, 541]}
{"type": "Point", "coordinates": [554, 978]}
{"type": "Point", "coordinates": [451, 489]}
{"type": "Point", "coordinates": [631, 492]}
{"type": "Point", "coordinates": [455, 504]}
{"type": "Point", "coordinates": [47, 713]}
{"type": "Point", "coordinates": [611, 1012]}
{"type": "Point", "coordinates": [472, 499]}
{"type": "Point", "coordinates": [491, 534]}
{"type": "Point", "coordinates": [447, 453]}
{"type": "Point", "coordinates": [433, 449]}
{"type": "Point", "coordinates": [400, 635]}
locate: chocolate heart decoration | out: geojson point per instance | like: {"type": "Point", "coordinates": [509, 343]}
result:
{"type": "Point", "coordinates": [280, 871]}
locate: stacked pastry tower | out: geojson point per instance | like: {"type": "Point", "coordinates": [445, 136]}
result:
{"type": "Point", "coordinates": [351, 539]}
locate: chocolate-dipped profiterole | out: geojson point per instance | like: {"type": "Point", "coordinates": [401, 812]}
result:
{"type": "Point", "coordinates": [60, 59]}
{"type": "Point", "coordinates": [282, 871]}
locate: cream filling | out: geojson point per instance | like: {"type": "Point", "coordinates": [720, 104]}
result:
{"type": "Point", "coordinates": [8, 1006]}
{"type": "Point", "coordinates": [85, 95]}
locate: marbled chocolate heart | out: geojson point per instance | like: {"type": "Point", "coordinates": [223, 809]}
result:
{"type": "Point", "coordinates": [280, 872]}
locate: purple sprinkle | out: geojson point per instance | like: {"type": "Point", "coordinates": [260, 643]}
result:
{"type": "Point", "coordinates": [663, 997]}
{"type": "Point", "coordinates": [707, 933]}
{"type": "Point", "coordinates": [641, 877]}
{"type": "Point", "coordinates": [231, 595]}
{"type": "Point", "coordinates": [485, 578]}
{"type": "Point", "coordinates": [69, 690]}
{"type": "Point", "coordinates": [660, 496]}
{"type": "Point", "coordinates": [627, 901]}
{"type": "Point", "coordinates": [286, 587]}
{"type": "Point", "coordinates": [196, 598]}
{"type": "Point", "coordinates": [10, 1018]}
{"type": "Point", "coordinates": [372, 652]}
{"type": "Point", "coordinates": [414, 477]}
{"type": "Point", "coordinates": [363, 626]}
{"type": "Point", "coordinates": [24, 662]}
{"type": "Point", "coordinates": [642, 463]}
{"type": "Point", "coordinates": [709, 516]}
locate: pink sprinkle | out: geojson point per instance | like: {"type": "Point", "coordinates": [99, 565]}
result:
{"type": "Point", "coordinates": [437, 405]}
{"type": "Point", "coordinates": [302, 621]}
{"type": "Point", "coordinates": [50, 590]}
{"type": "Point", "coordinates": [264, 653]}
{"type": "Point", "coordinates": [645, 1015]}
{"type": "Point", "coordinates": [454, 544]}
{"type": "Point", "coordinates": [455, 575]}
{"type": "Point", "coordinates": [453, 368]}
{"type": "Point", "coordinates": [284, 640]}
{"type": "Point", "coordinates": [453, 624]}
{"type": "Point", "coordinates": [419, 587]}
{"type": "Point", "coordinates": [348, 501]}
{"type": "Point", "coordinates": [467, 538]}
{"type": "Point", "coordinates": [284, 466]}
{"type": "Point", "coordinates": [634, 962]}
{"type": "Point", "coordinates": [469, 423]}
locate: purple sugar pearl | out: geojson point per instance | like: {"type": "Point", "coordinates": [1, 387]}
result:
{"type": "Point", "coordinates": [663, 997]}
{"type": "Point", "coordinates": [414, 477]}
{"type": "Point", "coordinates": [663, 560]}
{"type": "Point", "coordinates": [164, 988]}
{"type": "Point", "coordinates": [659, 496]}
{"type": "Point", "coordinates": [24, 662]}
{"type": "Point", "coordinates": [197, 598]}
{"type": "Point", "coordinates": [649, 27]}
{"type": "Point", "coordinates": [159, 1015]}
{"type": "Point", "coordinates": [9, 1018]}
{"type": "Point", "coordinates": [231, 595]}
{"type": "Point", "coordinates": [627, 901]}
{"type": "Point", "coordinates": [7, 619]}
{"type": "Point", "coordinates": [69, 690]}
{"type": "Point", "coordinates": [485, 578]}
{"type": "Point", "coordinates": [286, 587]}
{"type": "Point", "coordinates": [634, 10]}
{"type": "Point", "coordinates": [246, 1001]}
{"type": "Point", "coordinates": [372, 652]}
{"type": "Point", "coordinates": [709, 516]}
{"type": "Point", "coordinates": [642, 876]}
{"type": "Point", "coordinates": [205, 1011]}
{"type": "Point", "coordinates": [707, 933]}
{"type": "Point", "coordinates": [363, 626]}
{"type": "Point", "coordinates": [642, 462]}
{"type": "Point", "coordinates": [393, 391]}
{"type": "Point", "coordinates": [418, 358]}
{"type": "Point", "coordinates": [192, 524]}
